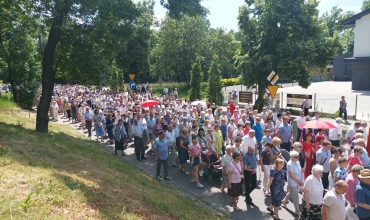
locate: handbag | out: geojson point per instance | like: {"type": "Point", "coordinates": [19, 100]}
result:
{"type": "Point", "coordinates": [240, 172]}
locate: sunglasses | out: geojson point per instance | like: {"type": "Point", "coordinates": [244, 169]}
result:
{"type": "Point", "coordinates": [295, 157]}
{"type": "Point", "coordinates": [300, 146]}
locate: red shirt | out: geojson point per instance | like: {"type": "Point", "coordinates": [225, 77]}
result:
{"type": "Point", "coordinates": [232, 108]}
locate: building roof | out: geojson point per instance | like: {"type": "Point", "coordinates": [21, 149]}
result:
{"type": "Point", "coordinates": [352, 20]}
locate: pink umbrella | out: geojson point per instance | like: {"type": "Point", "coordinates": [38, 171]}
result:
{"type": "Point", "coordinates": [317, 124]}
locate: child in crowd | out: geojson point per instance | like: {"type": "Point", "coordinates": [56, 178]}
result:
{"type": "Point", "coordinates": [195, 149]}
{"type": "Point", "coordinates": [266, 138]}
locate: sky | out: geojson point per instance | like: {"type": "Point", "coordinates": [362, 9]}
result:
{"type": "Point", "coordinates": [224, 13]}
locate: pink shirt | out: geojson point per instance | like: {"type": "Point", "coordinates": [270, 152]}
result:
{"type": "Point", "coordinates": [195, 149]}
{"type": "Point", "coordinates": [350, 194]}
{"type": "Point", "coordinates": [236, 170]}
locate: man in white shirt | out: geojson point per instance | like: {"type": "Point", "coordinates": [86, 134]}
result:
{"type": "Point", "coordinates": [264, 113]}
{"type": "Point", "coordinates": [364, 128]}
{"type": "Point", "coordinates": [209, 115]}
{"type": "Point", "coordinates": [334, 203]}
{"type": "Point", "coordinates": [301, 119]}
{"type": "Point", "coordinates": [249, 140]}
{"type": "Point", "coordinates": [352, 131]}
{"type": "Point", "coordinates": [335, 134]}
{"type": "Point", "coordinates": [171, 140]}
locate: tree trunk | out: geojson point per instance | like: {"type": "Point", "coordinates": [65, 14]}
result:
{"type": "Point", "coordinates": [48, 73]}
{"type": "Point", "coordinates": [260, 102]}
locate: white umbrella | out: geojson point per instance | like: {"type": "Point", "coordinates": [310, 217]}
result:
{"type": "Point", "coordinates": [195, 103]}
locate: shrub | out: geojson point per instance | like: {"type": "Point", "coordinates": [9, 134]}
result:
{"type": "Point", "coordinates": [230, 81]}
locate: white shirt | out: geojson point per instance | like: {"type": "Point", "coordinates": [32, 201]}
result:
{"type": "Point", "coordinates": [315, 190]}
{"type": "Point", "coordinates": [278, 123]}
{"type": "Point", "coordinates": [301, 120]}
{"type": "Point", "coordinates": [336, 204]}
{"type": "Point", "coordinates": [333, 133]}
{"type": "Point", "coordinates": [170, 136]}
{"type": "Point", "coordinates": [210, 117]}
{"type": "Point", "coordinates": [365, 133]}
{"type": "Point", "coordinates": [248, 141]}
{"type": "Point", "coordinates": [241, 122]}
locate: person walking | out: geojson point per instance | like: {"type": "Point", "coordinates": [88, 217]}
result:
{"type": "Point", "coordinates": [312, 195]}
{"type": "Point", "coordinates": [334, 203]}
{"type": "Point", "coordinates": [335, 134]}
{"type": "Point", "coordinates": [171, 139]}
{"type": "Point", "coordinates": [276, 187]}
{"type": "Point", "coordinates": [362, 192]}
{"type": "Point", "coordinates": [323, 156]}
{"type": "Point", "coordinates": [301, 119]}
{"type": "Point", "coordinates": [88, 119]}
{"type": "Point", "coordinates": [294, 176]}
{"type": "Point", "coordinates": [137, 132]}
{"type": "Point", "coordinates": [343, 108]}
{"type": "Point", "coordinates": [120, 136]}
{"type": "Point", "coordinates": [265, 163]}
{"type": "Point", "coordinates": [235, 178]}
{"type": "Point", "coordinates": [98, 125]}
{"type": "Point", "coordinates": [352, 180]}
{"type": "Point", "coordinates": [250, 169]}
{"type": "Point", "coordinates": [160, 150]}
{"type": "Point", "coordinates": [225, 161]}
{"type": "Point", "coordinates": [306, 105]}
{"type": "Point", "coordinates": [285, 133]}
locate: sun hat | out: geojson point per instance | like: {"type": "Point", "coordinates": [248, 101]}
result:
{"type": "Point", "coordinates": [365, 173]}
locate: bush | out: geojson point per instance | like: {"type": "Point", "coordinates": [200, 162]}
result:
{"type": "Point", "coordinates": [230, 81]}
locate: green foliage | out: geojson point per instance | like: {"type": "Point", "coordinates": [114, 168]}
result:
{"type": "Point", "coordinates": [6, 101]}
{"type": "Point", "coordinates": [224, 45]}
{"type": "Point", "coordinates": [27, 202]}
{"type": "Point", "coordinates": [341, 36]}
{"type": "Point", "coordinates": [179, 43]}
{"type": "Point", "coordinates": [280, 36]}
{"type": "Point", "coordinates": [230, 81]}
{"type": "Point", "coordinates": [18, 55]}
{"type": "Point", "coordinates": [196, 76]}
{"type": "Point", "coordinates": [177, 8]}
{"type": "Point", "coordinates": [215, 94]}
{"type": "Point", "coordinates": [365, 5]}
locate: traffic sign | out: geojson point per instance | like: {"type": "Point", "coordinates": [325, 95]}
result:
{"type": "Point", "coordinates": [132, 76]}
{"type": "Point", "coordinates": [273, 77]}
{"type": "Point", "coordinates": [132, 85]}
{"type": "Point", "coordinates": [273, 90]}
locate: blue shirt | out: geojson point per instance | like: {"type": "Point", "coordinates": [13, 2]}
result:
{"type": "Point", "coordinates": [266, 139]}
{"type": "Point", "coordinates": [323, 156]}
{"type": "Point", "coordinates": [296, 169]}
{"type": "Point", "coordinates": [258, 131]}
{"type": "Point", "coordinates": [250, 160]}
{"type": "Point", "coordinates": [151, 123]}
{"type": "Point", "coordinates": [340, 173]}
{"type": "Point", "coordinates": [285, 132]}
{"type": "Point", "coordinates": [365, 158]}
{"type": "Point", "coordinates": [137, 130]}
{"type": "Point", "coordinates": [362, 192]}
{"type": "Point", "coordinates": [88, 115]}
{"type": "Point", "coordinates": [161, 147]}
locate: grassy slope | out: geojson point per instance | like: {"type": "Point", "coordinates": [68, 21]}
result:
{"type": "Point", "coordinates": [74, 178]}
{"type": "Point", "coordinates": [6, 101]}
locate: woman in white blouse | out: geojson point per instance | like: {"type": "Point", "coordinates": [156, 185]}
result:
{"type": "Point", "coordinates": [312, 196]}
{"type": "Point", "coordinates": [226, 160]}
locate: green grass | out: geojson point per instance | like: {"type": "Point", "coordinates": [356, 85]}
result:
{"type": "Point", "coordinates": [6, 101]}
{"type": "Point", "coordinates": [63, 175]}
{"type": "Point", "coordinates": [182, 88]}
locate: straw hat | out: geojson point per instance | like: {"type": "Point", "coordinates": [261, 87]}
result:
{"type": "Point", "coordinates": [365, 173]}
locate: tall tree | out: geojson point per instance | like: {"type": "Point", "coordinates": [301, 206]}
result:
{"type": "Point", "coordinates": [283, 36]}
{"type": "Point", "coordinates": [18, 55]}
{"type": "Point", "coordinates": [215, 94]}
{"type": "Point", "coordinates": [196, 77]}
{"type": "Point", "coordinates": [102, 18]}
{"type": "Point", "coordinates": [177, 8]}
{"type": "Point", "coordinates": [179, 43]}
{"type": "Point", "coordinates": [365, 5]}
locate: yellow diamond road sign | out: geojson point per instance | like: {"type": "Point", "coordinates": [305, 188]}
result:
{"type": "Point", "coordinates": [273, 77]}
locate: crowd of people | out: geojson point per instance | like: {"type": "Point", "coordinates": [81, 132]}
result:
{"type": "Point", "coordinates": [332, 179]}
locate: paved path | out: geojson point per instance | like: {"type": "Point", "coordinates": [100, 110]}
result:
{"type": "Point", "coordinates": [210, 194]}
{"type": "Point", "coordinates": [327, 96]}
